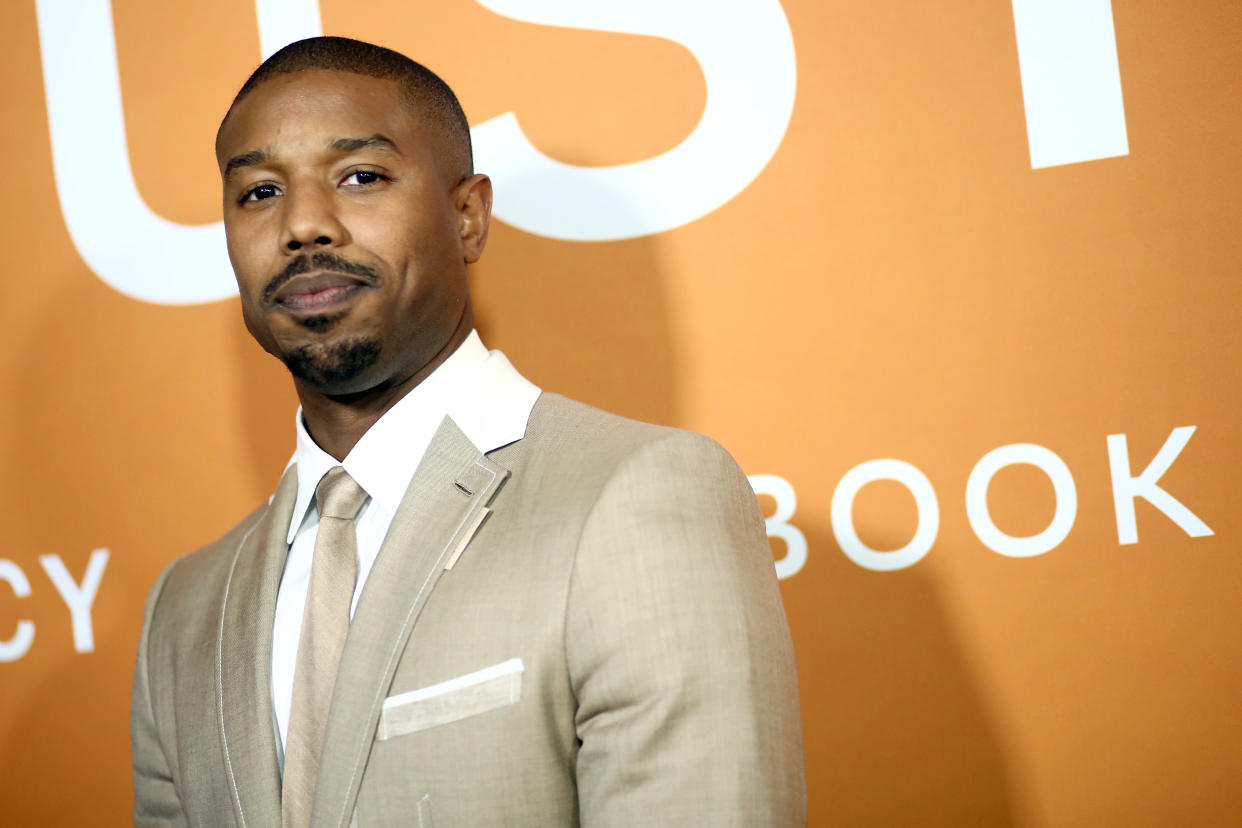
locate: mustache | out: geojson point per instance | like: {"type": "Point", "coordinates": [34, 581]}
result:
{"type": "Point", "coordinates": [322, 260]}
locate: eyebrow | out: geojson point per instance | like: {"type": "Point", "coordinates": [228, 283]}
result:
{"type": "Point", "coordinates": [258, 156]}
{"type": "Point", "coordinates": [375, 141]}
{"type": "Point", "coordinates": [246, 159]}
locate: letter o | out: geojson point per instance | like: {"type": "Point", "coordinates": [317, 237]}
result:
{"type": "Point", "coordinates": [924, 500]}
{"type": "Point", "coordinates": [1062, 485]}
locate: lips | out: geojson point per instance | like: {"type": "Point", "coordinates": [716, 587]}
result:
{"type": "Point", "coordinates": [316, 292]}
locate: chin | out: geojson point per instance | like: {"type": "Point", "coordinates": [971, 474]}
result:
{"type": "Point", "coordinates": [336, 369]}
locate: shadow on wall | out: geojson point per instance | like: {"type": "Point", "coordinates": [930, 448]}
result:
{"type": "Point", "coordinates": [64, 758]}
{"type": "Point", "coordinates": [903, 734]}
{"type": "Point", "coordinates": [66, 735]}
{"type": "Point", "coordinates": [584, 319]}
{"type": "Point", "coordinates": [268, 403]}
{"type": "Point", "coordinates": [116, 428]}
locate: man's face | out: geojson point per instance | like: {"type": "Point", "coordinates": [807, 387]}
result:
{"type": "Point", "coordinates": [348, 235]}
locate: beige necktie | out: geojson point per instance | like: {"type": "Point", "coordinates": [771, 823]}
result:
{"type": "Point", "coordinates": [325, 622]}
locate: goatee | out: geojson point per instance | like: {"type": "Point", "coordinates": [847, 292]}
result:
{"type": "Point", "coordinates": [332, 368]}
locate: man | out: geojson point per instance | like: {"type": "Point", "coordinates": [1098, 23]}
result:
{"type": "Point", "coordinates": [558, 616]}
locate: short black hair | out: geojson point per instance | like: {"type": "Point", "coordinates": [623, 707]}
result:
{"type": "Point", "coordinates": [423, 88]}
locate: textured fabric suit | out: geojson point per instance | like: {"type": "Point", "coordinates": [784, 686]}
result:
{"type": "Point", "coordinates": [625, 565]}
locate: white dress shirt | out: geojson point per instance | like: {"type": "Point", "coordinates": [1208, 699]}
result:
{"type": "Point", "coordinates": [487, 399]}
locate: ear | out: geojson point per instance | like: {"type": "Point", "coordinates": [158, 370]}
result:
{"type": "Point", "coordinates": [473, 200]}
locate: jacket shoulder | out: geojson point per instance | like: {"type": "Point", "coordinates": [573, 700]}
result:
{"type": "Point", "coordinates": [574, 451]}
{"type": "Point", "coordinates": [558, 422]}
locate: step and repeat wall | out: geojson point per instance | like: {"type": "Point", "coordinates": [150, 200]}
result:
{"type": "Point", "coordinates": [957, 283]}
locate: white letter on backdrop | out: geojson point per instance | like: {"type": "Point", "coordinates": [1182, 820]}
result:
{"type": "Point", "coordinates": [924, 500]}
{"type": "Point", "coordinates": [746, 52]}
{"type": "Point", "coordinates": [778, 525]}
{"type": "Point", "coordinates": [1126, 488]}
{"type": "Point", "coordinates": [119, 237]}
{"type": "Point", "coordinates": [1062, 485]}
{"type": "Point", "coordinates": [749, 104]}
{"type": "Point", "coordinates": [1071, 83]}
{"type": "Point", "coordinates": [19, 644]}
{"type": "Point", "coordinates": [79, 599]}
{"type": "Point", "coordinates": [283, 21]}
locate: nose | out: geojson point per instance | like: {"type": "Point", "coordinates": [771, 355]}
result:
{"type": "Point", "coordinates": [310, 220]}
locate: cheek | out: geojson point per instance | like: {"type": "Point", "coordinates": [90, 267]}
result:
{"type": "Point", "coordinates": [252, 273]}
{"type": "Point", "coordinates": [420, 232]}
{"type": "Point", "coordinates": [251, 245]}
{"type": "Point", "coordinates": [240, 253]}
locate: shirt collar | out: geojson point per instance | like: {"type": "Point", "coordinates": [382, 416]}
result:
{"type": "Point", "coordinates": [478, 389]}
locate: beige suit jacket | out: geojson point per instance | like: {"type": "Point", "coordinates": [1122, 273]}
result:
{"type": "Point", "coordinates": [614, 576]}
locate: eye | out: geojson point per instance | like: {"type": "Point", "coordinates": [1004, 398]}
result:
{"type": "Point", "coordinates": [362, 178]}
{"type": "Point", "coordinates": [260, 192]}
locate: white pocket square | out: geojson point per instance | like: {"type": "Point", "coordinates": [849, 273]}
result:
{"type": "Point", "coordinates": [448, 701]}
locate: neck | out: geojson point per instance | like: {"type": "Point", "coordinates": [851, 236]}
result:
{"type": "Point", "coordinates": [337, 423]}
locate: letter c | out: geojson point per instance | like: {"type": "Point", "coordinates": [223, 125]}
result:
{"type": "Point", "coordinates": [19, 644]}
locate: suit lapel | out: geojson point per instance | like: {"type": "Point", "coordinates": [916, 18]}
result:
{"type": "Point", "coordinates": [445, 504]}
{"type": "Point", "coordinates": [244, 663]}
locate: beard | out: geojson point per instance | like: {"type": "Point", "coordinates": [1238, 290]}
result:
{"type": "Point", "coordinates": [333, 368]}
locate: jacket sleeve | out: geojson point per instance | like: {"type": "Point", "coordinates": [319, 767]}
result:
{"type": "Point", "coordinates": [155, 793]}
{"type": "Point", "coordinates": [679, 651]}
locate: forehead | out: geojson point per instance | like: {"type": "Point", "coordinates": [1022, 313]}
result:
{"type": "Point", "coordinates": [310, 106]}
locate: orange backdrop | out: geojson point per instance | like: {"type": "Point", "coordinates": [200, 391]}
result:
{"type": "Point", "coordinates": [898, 282]}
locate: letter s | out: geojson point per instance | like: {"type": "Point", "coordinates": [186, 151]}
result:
{"type": "Point", "coordinates": [749, 105]}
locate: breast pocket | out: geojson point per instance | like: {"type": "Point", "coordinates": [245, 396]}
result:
{"type": "Point", "coordinates": [452, 700]}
